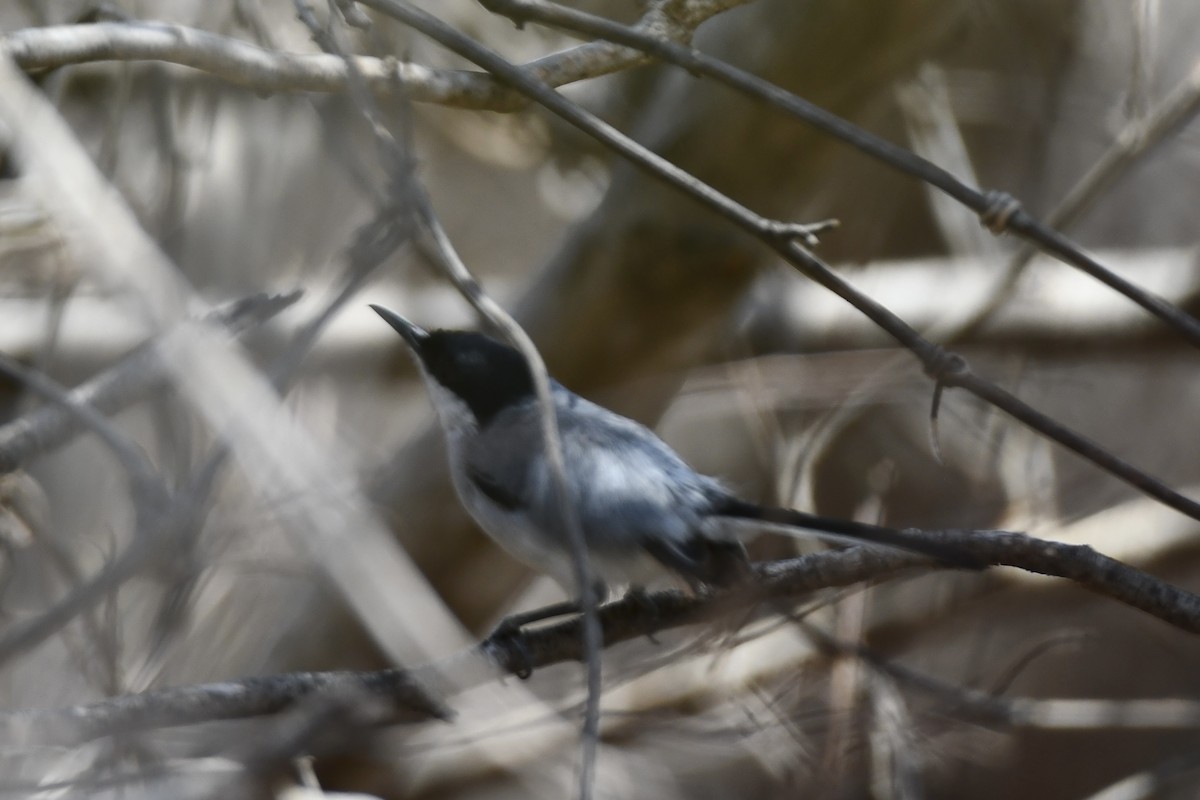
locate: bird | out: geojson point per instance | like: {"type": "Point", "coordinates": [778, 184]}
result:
{"type": "Point", "coordinates": [641, 509]}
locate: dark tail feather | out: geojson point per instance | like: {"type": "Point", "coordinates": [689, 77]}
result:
{"type": "Point", "coordinates": [848, 529]}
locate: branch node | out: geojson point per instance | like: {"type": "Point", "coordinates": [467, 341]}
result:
{"type": "Point", "coordinates": [506, 646]}
{"type": "Point", "coordinates": [944, 366]}
{"type": "Point", "coordinates": [1000, 209]}
{"type": "Point", "coordinates": [805, 232]}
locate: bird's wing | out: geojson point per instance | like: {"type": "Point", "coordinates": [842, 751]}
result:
{"type": "Point", "coordinates": [632, 492]}
{"type": "Point", "coordinates": [628, 483]}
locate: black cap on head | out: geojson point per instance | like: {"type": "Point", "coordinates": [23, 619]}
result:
{"type": "Point", "coordinates": [485, 374]}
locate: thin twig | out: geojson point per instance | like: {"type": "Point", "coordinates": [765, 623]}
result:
{"type": "Point", "coordinates": [444, 254]}
{"type": "Point", "coordinates": [152, 503]}
{"type": "Point", "coordinates": [145, 478]}
{"type": "Point", "coordinates": [592, 638]}
{"type": "Point", "coordinates": [239, 699]}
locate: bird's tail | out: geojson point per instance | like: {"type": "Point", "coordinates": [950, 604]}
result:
{"type": "Point", "coordinates": [856, 532]}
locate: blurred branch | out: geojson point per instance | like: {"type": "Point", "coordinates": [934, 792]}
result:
{"type": "Point", "coordinates": [152, 505]}
{"type": "Point", "coordinates": [1060, 303]}
{"type": "Point", "coordinates": [1136, 140]}
{"type": "Point", "coordinates": [441, 251]}
{"type": "Point", "coordinates": [134, 377]}
{"type": "Point", "coordinates": [1163, 779]}
{"type": "Point", "coordinates": [240, 699]}
{"type": "Point", "coordinates": [86, 416]}
{"type": "Point", "coordinates": [1078, 713]}
{"type": "Point", "coordinates": [373, 244]}
{"type": "Point", "coordinates": [264, 70]}
{"type": "Point", "coordinates": [991, 707]}
{"type": "Point", "coordinates": [28, 633]}
{"type": "Point", "coordinates": [310, 486]}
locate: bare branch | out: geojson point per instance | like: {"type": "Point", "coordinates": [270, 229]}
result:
{"type": "Point", "coordinates": [631, 618]}
{"type": "Point", "coordinates": [242, 63]}
{"type": "Point", "coordinates": [141, 472]}
{"type": "Point", "coordinates": [190, 705]}
{"type": "Point", "coordinates": [151, 501]}
{"type": "Point", "coordinates": [997, 210]}
{"type": "Point", "coordinates": [798, 577]}
{"type": "Point", "coordinates": [262, 70]}
{"type": "Point", "coordinates": [591, 635]}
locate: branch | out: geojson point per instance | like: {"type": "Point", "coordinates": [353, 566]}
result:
{"type": "Point", "coordinates": [262, 70]}
{"type": "Point", "coordinates": [209, 702]}
{"type": "Point", "coordinates": [242, 63]}
{"type": "Point", "coordinates": [622, 620]}
{"type": "Point", "coordinates": [997, 210]}
{"type": "Point", "coordinates": [152, 501]}
{"type": "Point", "coordinates": [794, 578]}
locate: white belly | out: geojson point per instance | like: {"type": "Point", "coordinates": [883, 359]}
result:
{"type": "Point", "coordinates": [548, 552]}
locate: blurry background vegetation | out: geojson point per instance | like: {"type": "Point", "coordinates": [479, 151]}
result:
{"type": "Point", "coordinates": [642, 300]}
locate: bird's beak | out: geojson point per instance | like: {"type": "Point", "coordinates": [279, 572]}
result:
{"type": "Point", "coordinates": [414, 335]}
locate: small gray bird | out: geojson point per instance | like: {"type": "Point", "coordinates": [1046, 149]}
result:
{"type": "Point", "coordinates": [640, 507]}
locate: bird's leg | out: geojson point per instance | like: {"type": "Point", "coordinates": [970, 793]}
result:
{"type": "Point", "coordinates": [509, 628]}
{"type": "Point", "coordinates": [638, 596]}
{"type": "Point", "coordinates": [513, 623]}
